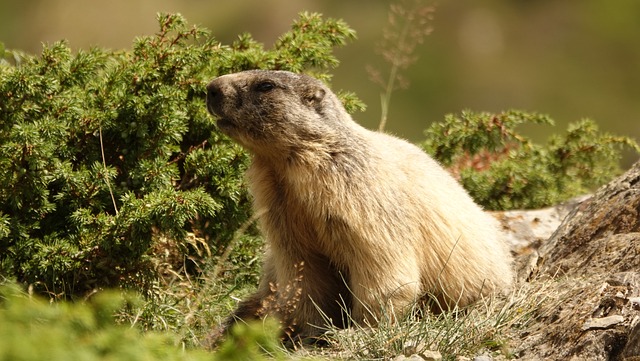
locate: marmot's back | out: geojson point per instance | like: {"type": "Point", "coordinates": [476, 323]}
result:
{"type": "Point", "coordinates": [472, 254]}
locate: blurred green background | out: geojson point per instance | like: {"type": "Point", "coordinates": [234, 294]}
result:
{"type": "Point", "coordinates": [570, 59]}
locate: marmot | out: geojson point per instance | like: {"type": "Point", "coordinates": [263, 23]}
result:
{"type": "Point", "coordinates": [354, 220]}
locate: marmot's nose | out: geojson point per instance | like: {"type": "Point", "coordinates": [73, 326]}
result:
{"type": "Point", "coordinates": [214, 97]}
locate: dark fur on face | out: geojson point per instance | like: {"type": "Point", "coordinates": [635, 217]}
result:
{"type": "Point", "coordinates": [278, 110]}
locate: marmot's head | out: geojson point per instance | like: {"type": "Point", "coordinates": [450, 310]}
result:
{"type": "Point", "coordinates": [277, 111]}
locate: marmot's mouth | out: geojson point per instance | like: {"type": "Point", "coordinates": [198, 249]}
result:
{"type": "Point", "coordinates": [225, 123]}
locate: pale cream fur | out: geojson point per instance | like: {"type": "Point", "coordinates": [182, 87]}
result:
{"type": "Point", "coordinates": [372, 219]}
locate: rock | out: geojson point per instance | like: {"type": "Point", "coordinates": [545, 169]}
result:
{"type": "Point", "coordinates": [525, 230]}
{"type": "Point", "coordinates": [413, 357]}
{"type": "Point", "coordinates": [601, 234]}
{"type": "Point", "coordinates": [604, 322]}
{"type": "Point", "coordinates": [431, 355]}
{"type": "Point", "coordinates": [412, 347]}
{"type": "Point", "coordinates": [422, 356]}
{"type": "Point", "coordinates": [594, 258]}
{"type": "Point", "coordinates": [528, 228]}
{"type": "Point", "coordinates": [483, 358]}
{"type": "Point", "coordinates": [632, 348]}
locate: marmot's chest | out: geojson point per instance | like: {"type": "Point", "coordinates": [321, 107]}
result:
{"type": "Point", "coordinates": [303, 215]}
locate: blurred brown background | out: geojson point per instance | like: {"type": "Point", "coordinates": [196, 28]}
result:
{"type": "Point", "coordinates": [570, 59]}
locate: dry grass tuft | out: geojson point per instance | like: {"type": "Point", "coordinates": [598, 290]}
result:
{"type": "Point", "coordinates": [487, 326]}
{"type": "Point", "coordinates": [408, 23]}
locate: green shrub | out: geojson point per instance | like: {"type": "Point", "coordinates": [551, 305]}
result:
{"type": "Point", "coordinates": [108, 159]}
{"type": "Point", "coordinates": [33, 330]}
{"type": "Point", "coordinates": [502, 169]}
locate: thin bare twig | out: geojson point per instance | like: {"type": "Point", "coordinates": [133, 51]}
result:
{"type": "Point", "coordinates": [106, 174]}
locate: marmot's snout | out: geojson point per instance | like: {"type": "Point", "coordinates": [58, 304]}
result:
{"type": "Point", "coordinates": [214, 97]}
{"type": "Point", "coordinates": [221, 93]}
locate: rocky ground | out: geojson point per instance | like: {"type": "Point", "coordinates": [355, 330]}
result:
{"type": "Point", "coordinates": [589, 249]}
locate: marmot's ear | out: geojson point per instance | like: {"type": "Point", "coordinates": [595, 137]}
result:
{"type": "Point", "coordinates": [314, 95]}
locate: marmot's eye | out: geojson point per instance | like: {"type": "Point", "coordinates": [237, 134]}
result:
{"type": "Point", "coordinates": [265, 86]}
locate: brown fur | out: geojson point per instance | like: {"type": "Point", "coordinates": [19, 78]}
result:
{"type": "Point", "coordinates": [351, 217]}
